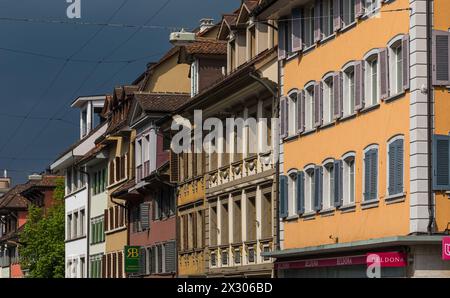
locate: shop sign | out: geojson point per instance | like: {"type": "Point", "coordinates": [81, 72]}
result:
{"type": "Point", "coordinates": [446, 248]}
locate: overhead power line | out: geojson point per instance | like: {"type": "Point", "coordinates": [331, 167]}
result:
{"type": "Point", "coordinates": [60, 71]}
{"type": "Point", "coordinates": [25, 148]}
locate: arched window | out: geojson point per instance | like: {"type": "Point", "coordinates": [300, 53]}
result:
{"type": "Point", "coordinates": [310, 180]}
{"type": "Point", "coordinates": [309, 106]}
{"type": "Point", "coordinates": [328, 184]}
{"type": "Point", "coordinates": [372, 79]}
{"type": "Point", "coordinates": [328, 98]}
{"type": "Point", "coordinates": [292, 110]}
{"type": "Point", "coordinates": [349, 89]}
{"type": "Point", "coordinates": [292, 192]}
{"type": "Point", "coordinates": [348, 179]}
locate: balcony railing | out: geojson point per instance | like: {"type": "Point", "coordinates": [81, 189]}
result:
{"type": "Point", "coordinates": [249, 166]}
{"type": "Point", "coordinates": [239, 254]}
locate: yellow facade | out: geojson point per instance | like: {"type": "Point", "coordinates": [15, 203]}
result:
{"type": "Point", "coordinates": [351, 135]}
{"type": "Point", "coordinates": [191, 263]}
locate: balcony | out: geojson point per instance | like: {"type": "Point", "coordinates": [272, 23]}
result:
{"type": "Point", "coordinates": [240, 169]}
{"type": "Point", "coordinates": [240, 254]}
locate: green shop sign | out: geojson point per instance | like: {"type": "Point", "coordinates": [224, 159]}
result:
{"type": "Point", "coordinates": [132, 259]}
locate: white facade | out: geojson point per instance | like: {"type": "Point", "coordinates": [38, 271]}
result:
{"type": "Point", "coordinates": [77, 188]}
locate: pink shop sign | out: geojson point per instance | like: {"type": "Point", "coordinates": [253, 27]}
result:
{"type": "Point", "coordinates": [446, 248]}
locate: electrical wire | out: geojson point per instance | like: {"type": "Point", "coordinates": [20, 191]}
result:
{"type": "Point", "coordinates": [60, 71]}
{"type": "Point", "coordinates": [92, 72]}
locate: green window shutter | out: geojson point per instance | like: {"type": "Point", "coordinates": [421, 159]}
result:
{"type": "Point", "coordinates": [300, 192]}
{"type": "Point", "coordinates": [170, 256]}
{"type": "Point", "coordinates": [283, 196]}
{"type": "Point", "coordinates": [441, 162]}
{"type": "Point", "coordinates": [338, 183]}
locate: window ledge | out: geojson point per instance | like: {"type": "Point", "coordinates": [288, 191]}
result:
{"type": "Point", "coordinates": [112, 231]}
{"type": "Point", "coordinates": [75, 192]}
{"type": "Point", "coordinates": [290, 137]}
{"type": "Point", "coordinates": [291, 56]}
{"type": "Point", "coordinates": [327, 212]}
{"type": "Point", "coordinates": [310, 215]}
{"type": "Point", "coordinates": [397, 198]}
{"type": "Point", "coordinates": [395, 96]}
{"type": "Point", "coordinates": [370, 108]}
{"type": "Point", "coordinates": [309, 49]}
{"type": "Point", "coordinates": [348, 208]}
{"type": "Point", "coordinates": [370, 204]}
{"type": "Point", "coordinates": [75, 238]}
{"type": "Point", "coordinates": [291, 217]}
{"type": "Point", "coordinates": [307, 132]}
{"type": "Point", "coordinates": [327, 39]}
{"type": "Point", "coordinates": [328, 124]}
{"type": "Point", "coordinates": [347, 117]}
{"type": "Point", "coordinates": [348, 27]}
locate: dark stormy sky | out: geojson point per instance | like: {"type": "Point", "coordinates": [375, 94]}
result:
{"type": "Point", "coordinates": [37, 83]}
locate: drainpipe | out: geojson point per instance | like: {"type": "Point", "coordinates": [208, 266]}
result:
{"type": "Point", "coordinates": [275, 93]}
{"type": "Point", "coordinates": [88, 215]}
{"type": "Point", "coordinates": [429, 114]}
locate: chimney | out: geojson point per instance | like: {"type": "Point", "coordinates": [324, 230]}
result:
{"type": "Point", "coordinates": [205, 24]}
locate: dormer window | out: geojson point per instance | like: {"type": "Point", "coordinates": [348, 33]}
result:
{"type": "Point", "coordinates": [84, 122]}
{"type": "Point", "coordinates": [194, 78]}
{"type": "Point", "coordinates": [251, 42]}
{"type": "Point", "coordinates": [232, 55]}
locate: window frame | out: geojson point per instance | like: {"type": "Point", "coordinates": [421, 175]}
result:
{"type": "Point", "coordinates": [309, 188]}
{"type": "Point", "coordinates": [368, 78]}
{"type": "Point", "coordinates": [346, 182]}
{"type": "Point", "coordinates": [293, 112]}
{"type": "Point", "coordinates": [348, 84]}
{"type": "Point", "coordinates": [395, 87]}
{"type": "Point", "coordinates": [309, 106]}
{"type": "Point", "coordinates": [328, 98]}
{"type": "Point", "coordinates": [292, 192]}
{"type": "Point", "coordinates": [327, 186]}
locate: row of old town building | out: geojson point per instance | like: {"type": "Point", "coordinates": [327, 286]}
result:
{"type": "Point", "coordinates": [358, 165]}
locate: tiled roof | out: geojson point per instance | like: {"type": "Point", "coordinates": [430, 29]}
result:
{"type": "Point", "coordinates": [161, 102]}
{"type": "Point", "coordinates": [206, 46]}
{"type": "Point", "coordinates": [251, 4]}
{"type": "Point", "coordinates": [13, 198]}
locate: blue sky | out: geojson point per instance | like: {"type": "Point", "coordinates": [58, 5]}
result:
{"type": "Point", "coordinates": [41, 88]}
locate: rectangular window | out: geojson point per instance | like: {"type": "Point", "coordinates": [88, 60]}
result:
{"type": "Point", "coordinates": [327, 18]}
{"type": "Point", "coordinates": [213, 226]}
{"type": "Point", "coordinates": [237, 218]}
{"type": "Point", "coordinates": [396, 69]}
{"type": "Point", "coordinates": [349, 181]}
{"type": "Point", "coordinates": [309, 27]}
